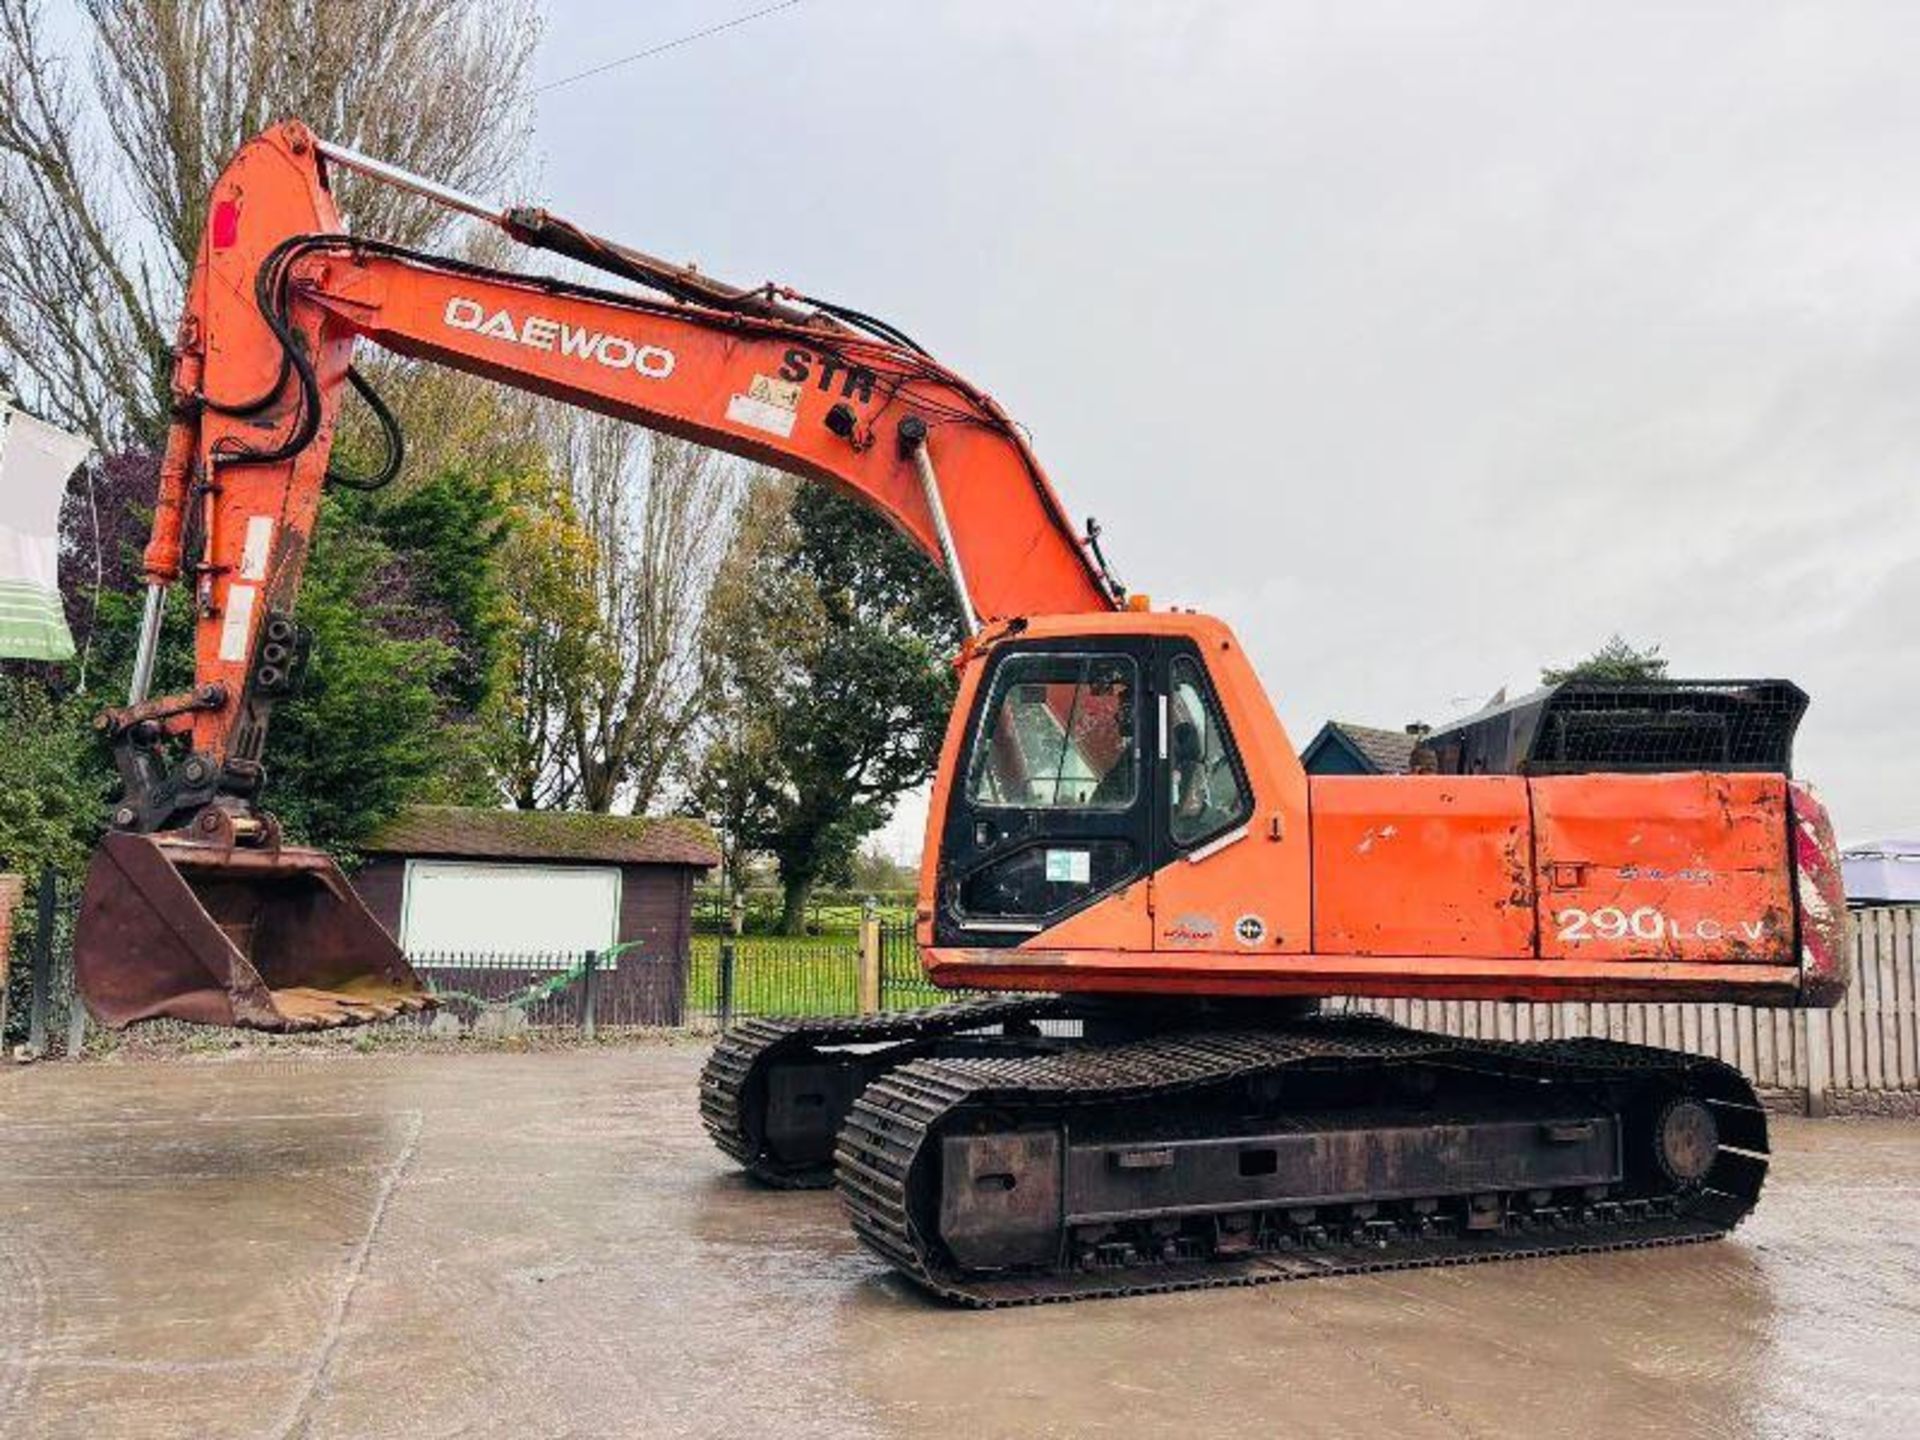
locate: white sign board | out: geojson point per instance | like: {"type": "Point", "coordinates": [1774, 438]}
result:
{"type": "Point", "coordinates": [475, 907]}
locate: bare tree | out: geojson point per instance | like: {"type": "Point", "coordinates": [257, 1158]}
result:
{"type": "Point", "coordinates": [104, 177]}
{"type": "Point", "coordinates": [615, 723]}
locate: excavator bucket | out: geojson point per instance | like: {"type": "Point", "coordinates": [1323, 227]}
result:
{"type": "Point", "coordinates": [264, 939]}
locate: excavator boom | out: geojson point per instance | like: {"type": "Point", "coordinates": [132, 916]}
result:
{"type": "Point", "coordinates": [195, 908]}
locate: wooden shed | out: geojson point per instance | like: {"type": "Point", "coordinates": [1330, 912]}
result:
{"type": "Point", "coordinates": [464, 889]}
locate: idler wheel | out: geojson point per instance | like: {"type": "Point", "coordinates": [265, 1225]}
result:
{"type": "Point", "coordinates": [1686, 1140]}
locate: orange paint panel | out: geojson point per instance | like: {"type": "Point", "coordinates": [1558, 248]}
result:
{"type": "Point", "coordinates": [1254, 893]}
{"type": "Point", "coordinates": [1421, 865]}
{"type": "Point", "coordinates": [1450, 977]}
{"type": "Point", "coordinates": [1120, 921]}
{"type": "Point", "coordinates": [1664, 867]}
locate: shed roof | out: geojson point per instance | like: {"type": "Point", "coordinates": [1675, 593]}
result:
{"type": "Point", "coordinates": [1883, 872]}
{"type": "Point", "coordinates": [1390, 752]}
{"type": "Point", "coordinates": [545, 835]}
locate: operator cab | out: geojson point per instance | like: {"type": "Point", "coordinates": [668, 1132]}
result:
{"type": "Point", "coordinates": [1088, 762]}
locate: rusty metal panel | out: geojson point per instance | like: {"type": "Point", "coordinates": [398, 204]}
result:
{"type": "Point", "coordinates": [1000, 1197]}
{"type": "Point", "coordinates": [1319, 1160]}
{"type": "Point", "coordinates": [263, 939]}
{"type": "Point", "coordinates": [1686, 867]}
{"type": "Point", "coordinates": [1421, 865]}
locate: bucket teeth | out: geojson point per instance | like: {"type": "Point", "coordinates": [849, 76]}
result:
{"type": "Point", "coordinates": [305, 1008]}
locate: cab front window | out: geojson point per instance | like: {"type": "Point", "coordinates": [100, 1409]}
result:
{"type": "Point", "coordinates": [1059, 733]}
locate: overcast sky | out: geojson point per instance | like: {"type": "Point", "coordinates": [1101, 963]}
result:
{"type": "Point", "coordinates": [1423, 343]}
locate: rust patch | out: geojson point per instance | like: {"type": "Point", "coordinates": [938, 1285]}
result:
{"type": "Point", "coordinates": [1826, 964]}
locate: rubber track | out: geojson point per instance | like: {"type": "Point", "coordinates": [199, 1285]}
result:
{"type": "Point", "coordinates": [895, 1118]}
{"type": "Point", "coordinates": [745, 1051]}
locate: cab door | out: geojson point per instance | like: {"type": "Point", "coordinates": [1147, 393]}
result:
{"type": "Point", "coordinates": [1050, 815]}
{"type": "Point", "coordinates": [1211, 874]}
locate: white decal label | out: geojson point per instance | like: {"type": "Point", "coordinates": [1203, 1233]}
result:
{"type": "Point", "coordinates": [769, 404]}
{"type": "Point", "coordinates": [745, 410]}
{"type": "Point", "coordinates": [253, 555]}
{"type": "Point", "coordinates": [1069, 867]}
{"type": "Point", "coordinates": [1611, 923]}
{"type": "Point", "coordinates": [237, 628]}
{"type": "Point", "coordinates": [784, 393]}
{"type": "Point", "coordinates": [538, 332]}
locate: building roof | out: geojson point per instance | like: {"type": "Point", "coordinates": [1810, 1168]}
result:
{"type": "Point", "coordinates": [1884, 872]}
{"type": "Point", "coordinates": [1387, 752]}
{"type": "Point", "coordinates": [545, 835]}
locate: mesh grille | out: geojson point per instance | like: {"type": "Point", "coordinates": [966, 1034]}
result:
{"type": "Point", "coordinates": [1587, 725]}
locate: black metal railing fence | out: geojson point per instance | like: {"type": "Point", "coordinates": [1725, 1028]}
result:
{"type": "Point", "coordinates": [903, 980]}
{"type": "Point", "coordinates": [828, 912]}
{"type": "Point", "coordinates": [716, 980]}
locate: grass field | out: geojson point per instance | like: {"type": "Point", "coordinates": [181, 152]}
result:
{"type": "Point", "coordinates": [777, 975]}
{"type": "Point", "coordinates": [831, 913]}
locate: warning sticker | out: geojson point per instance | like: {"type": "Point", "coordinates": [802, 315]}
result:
{"type": "Point", "coordinates": [770, 404]}
{"type": "Point", "coordinates": [237, 628]}
{"type": "Point", "coordinates": [1069, 867]}
{"type": "Point", "coordinates": [775, 391]}
{"type": "Point", "coordinates": [253, 555]}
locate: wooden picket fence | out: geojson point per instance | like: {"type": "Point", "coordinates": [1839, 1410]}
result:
{"type": "Point", "coordinates": [1863, 1055]}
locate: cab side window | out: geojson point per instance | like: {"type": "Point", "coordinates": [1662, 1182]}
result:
{"type": "Point", "coordinates": [1206, 796]}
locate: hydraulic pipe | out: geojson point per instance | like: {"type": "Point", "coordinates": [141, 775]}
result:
{"type": "Point", "coordinates": [913, 439]}
{"type": "Point", "coordinates": [149, 647]}
{"type": "Point", "coordinates": [407, 180]}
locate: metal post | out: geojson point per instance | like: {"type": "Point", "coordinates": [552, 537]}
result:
{"type": "Point", "coordinates": [726, 984]}
{"type": "Point", "coordinates": [1815, 1055]}
{"type": "Point", "coordinates": [42, 965]}
{"type": "Point", "coordinates": [76, 1020]}
{"type": "Point", "coordinates": [586, 995]}
{"type": "Point", "coordinates": [869, 958]}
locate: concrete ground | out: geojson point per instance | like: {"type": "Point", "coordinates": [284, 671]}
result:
{"type": "Point", "coordinates": [545, 1244]}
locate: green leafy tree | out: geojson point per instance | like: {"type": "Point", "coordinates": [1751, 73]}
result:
{"type": "Point", "coordinates": [1618, 659]}
{"type": "Point", "coordinates": [453, 525]}
{"type": "Point", "coordinates": [404, 597]}
{"type": "Point", "coordinates": [52, 776]}
{"type": "Point", "coordinates": [831, 639]}
{"type": "Point", "coordinates": [113, 123]}
{"type": "Point", "coordinates": [875, 872]}
{"type": "Point", "coordinates": [371, 729]}
{"type": "Point", "coordinates": [55, 785]}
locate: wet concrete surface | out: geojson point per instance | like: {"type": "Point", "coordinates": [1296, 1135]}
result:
{"type": "Point", "coordinates": [545, 1244]}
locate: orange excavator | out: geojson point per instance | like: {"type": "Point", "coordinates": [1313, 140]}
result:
{"type": "Point", "coordinates": [1125, 859]}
